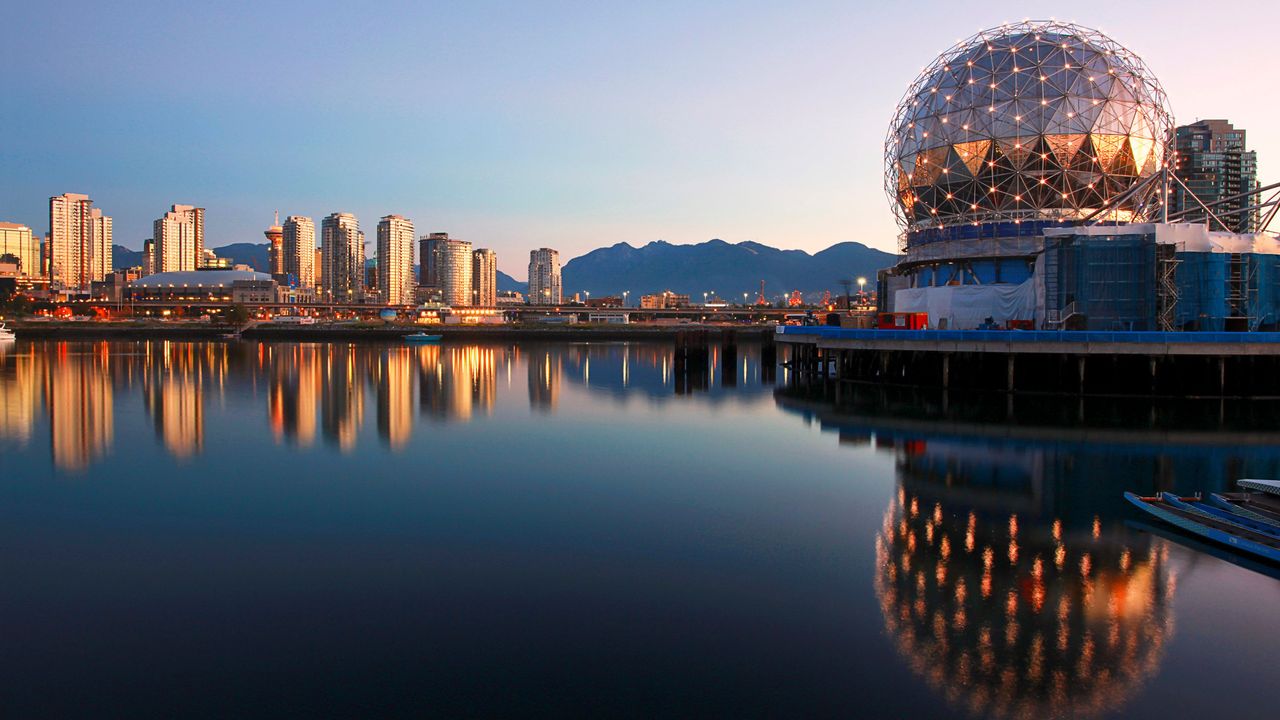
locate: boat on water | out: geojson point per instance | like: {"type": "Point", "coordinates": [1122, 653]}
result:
{"type": "Point", "coordinates": [1270, 487]}
{"type": "Point", "coordinates": [6, 333]}
{"type": "Point", "coordinates": [421, 338]}
{"type": "Point", "coordinates": [1255, 506]}
{"type": "Point", "coordinates": [1180, 513]}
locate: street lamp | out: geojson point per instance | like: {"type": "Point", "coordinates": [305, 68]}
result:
{"type": "Point", "coordinates": [862, 295]}
{"type": "Point", "coordinates": [625, 293]}
{"type": "Point", "coordinates": [704, 298]}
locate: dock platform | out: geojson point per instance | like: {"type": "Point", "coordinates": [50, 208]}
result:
{"type": "Point", "coordinates": [1168, 364]}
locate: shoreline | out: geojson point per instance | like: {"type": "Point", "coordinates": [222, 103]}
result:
{"type": "Point", "coordinates": [322, 333]}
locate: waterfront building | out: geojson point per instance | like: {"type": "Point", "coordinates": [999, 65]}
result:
{"type": "Point", "coordinates": [484, 277]}
{"type": "Point", "coordinates": [317, 262]}
{"type": "Point", "coordinates": [79, 242]}
{"type": "Point", "coordinates": [450, 265]}
{"type": "Point", "coordinates": [395, 260]}
{"type": "Point", "coordinates": [428, 272]}
{"type": "Point", "coordinates": [204, 286]}
{"type": "Point", "coordinates": [665, 300]}
{"type": "Point", "coordinates": [298, 250]}
{"type": "Point", "coordinates": [18, 247]}
{"type": "Point", "coordinates": [1022, 128]}
{"type": "Point", "coordinates": [275, 247]}
{"type": "Point", "coordinates": [100, 246]}
{"type": "Point", "coordinates": [148, 256]}
{"type": "Point", "coordinates": [544, 277]}
{"type": "Point", "coordinates": [342, 253]}
{"type": "Point", "coordinates": [1214, 163]}
{"type": "Point", "coordinates": [179, 237]}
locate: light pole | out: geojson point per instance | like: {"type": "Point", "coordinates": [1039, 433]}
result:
{"type": "Point", "coordinates": [862, 295]}
{"type": "Point", "coordinates": [704, 299]}
{"type": "Point", "coordinates": [625, 293]}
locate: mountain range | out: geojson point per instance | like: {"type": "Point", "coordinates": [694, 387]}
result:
{"type": "Point", "coordinates": [713, 266]}
{"type": "Point", "coordinates": [716, 266]}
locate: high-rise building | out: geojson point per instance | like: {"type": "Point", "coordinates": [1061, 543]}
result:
{"type": "Point", "coordinates": [1213, 162]}
{"type": "Point", "coordinates": [275, 247]}
{"type": "Point", "coordinates": [149, 257]}
{"type": "Point", "coordinates": [298, 250]}
{"type": "Point", "coordinates": [100, 243]}
{"type": "Point", "coordinates": [484, 277]}
{"type": "Point", "coordinates": [18, 246]}
{"type": "Point", "coordinates": [317, 262]}
{"type": "Point", "coordinates": [453, 265]}
{"type": "Point", "coordinates": [395, 260]}
{"type": "Point", "coordinates": [342, 250]}
{"type": "Point", "coordinates": [79, 241]}
{"type": "Point", "coordinates": [179, 237]}
{"type": "Point", "coordinates": [544, 277]}
{"type": "Point", "coordinates": [428, 273]}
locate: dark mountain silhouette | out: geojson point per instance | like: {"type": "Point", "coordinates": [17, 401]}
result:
{"type": "Point", "coordinates": [728, 269]}
{"type": "Point", "coordinates": [506, 282]}
{"type": "Point", "coordinates": [123, 258]}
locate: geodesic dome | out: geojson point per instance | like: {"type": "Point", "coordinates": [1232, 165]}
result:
{"type": "Point", "coordinates": [1033, 120]}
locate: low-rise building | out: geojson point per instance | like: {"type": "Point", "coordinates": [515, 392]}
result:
{"type": "Point", "coordinates": [204, 286]}
{"type": "Point", "coordinates": [665, 300]}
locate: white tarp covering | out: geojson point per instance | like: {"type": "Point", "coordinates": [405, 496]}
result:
{"type": "Point", "coordinates": [965, 307]}
{"type": "Point", "coordinates": [1188, 237]}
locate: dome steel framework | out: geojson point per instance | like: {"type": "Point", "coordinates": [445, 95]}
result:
{"type": "Point", "coordinates": [1027, 121]}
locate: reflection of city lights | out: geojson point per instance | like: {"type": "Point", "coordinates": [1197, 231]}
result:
{"type": "Point", "coordinates": [998, 652]}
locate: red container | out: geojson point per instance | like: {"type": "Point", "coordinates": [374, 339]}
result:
{"type": "Point", "coordinates": [903, 321]}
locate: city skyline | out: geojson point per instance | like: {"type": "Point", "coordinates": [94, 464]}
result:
{"type": "Point", "coordinates": [581, 165]}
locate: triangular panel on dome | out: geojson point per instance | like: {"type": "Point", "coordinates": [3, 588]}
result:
{"type": "Point", "coordinates": [973, 154]}
{"type": "Point", "coordinates": [1016, 151]}
{"type": "Point", "coordinates": [929, 164]}
{"type": "Point", "coordinates": [1065, 147]}
{"type": "Point", "coordinates": [1140, 149]}
{"type": "Point", "coordinates": [1107, 148]}
{"type": "Point", "coordinates": [1123, 163]}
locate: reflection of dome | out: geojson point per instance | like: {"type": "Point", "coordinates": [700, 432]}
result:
{"type": "Point", "coordinates": [1034, 120]}
{"type": "Point", "coordinates": [1020, 624]}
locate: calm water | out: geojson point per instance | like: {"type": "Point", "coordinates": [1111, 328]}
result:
{"type": "Point", "coordinates": [237, 530]}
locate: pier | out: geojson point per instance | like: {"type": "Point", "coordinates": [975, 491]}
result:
{"type": "Point", "coordinates": [1145, 364]}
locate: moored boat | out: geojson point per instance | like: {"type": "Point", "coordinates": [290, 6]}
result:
{"type": "Point", "coordinates": [1255, 506]}
{"type": "Point", "coordinates": [1271, 487]}
{"type": "Point", "coordinates": [6, 333]}
{"type": "Point", "coordinates": [421, 338]}
{"type": "Point", "coordinates": [1232, 535]}
{"type": "Point", "coordinates": [1207, 510]}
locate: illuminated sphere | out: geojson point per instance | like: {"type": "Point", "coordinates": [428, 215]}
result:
{"type": "Point", "coordinates": [1028, 121]}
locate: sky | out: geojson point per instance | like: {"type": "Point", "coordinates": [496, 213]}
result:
{"type": "Point", "coordinates": [518, 125]}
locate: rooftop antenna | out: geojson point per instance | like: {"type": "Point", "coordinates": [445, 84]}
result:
{"type": "Point", "coordinates": [277, 217]}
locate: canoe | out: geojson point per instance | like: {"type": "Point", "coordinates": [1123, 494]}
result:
{"type": "Point", "coordinates": [1228, 534]}
{"type": "Point", "coordinates": [1206, 510]}
{"type": "Point", "coordinates": [1254, 506]}
{"type": "Point", "coordinates": [1248, 562]}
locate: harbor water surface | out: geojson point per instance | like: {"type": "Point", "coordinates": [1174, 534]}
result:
{"type": "Point", "coordinates": [238, 529]}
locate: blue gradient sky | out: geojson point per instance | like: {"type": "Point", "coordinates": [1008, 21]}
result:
{"type": "Point", "coordinates": [519, 125]}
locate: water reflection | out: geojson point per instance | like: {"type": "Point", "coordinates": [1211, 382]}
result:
{"type": "Point", "coordinates": [1006, 574]}
{"type": "Point", "coordinates": [322, 391]}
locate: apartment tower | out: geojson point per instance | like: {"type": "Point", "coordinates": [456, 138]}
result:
{"type": "Point", "coordinates": [298, 250]}
{"type": "Point", "coordinates": [395, 260]}
{"type": "Point", "coordinates": [544, 277]}
{"type": "Point", "coordinates": [179, 237]}
{"type": "Point", "coordinates": [342, 253]}
{"type": "Point", "coordinates": [1215, 165]}
{"type": "Point", "coordinates": [484, 277]}
{"type": "Point", "coordinates": [79, 242]}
